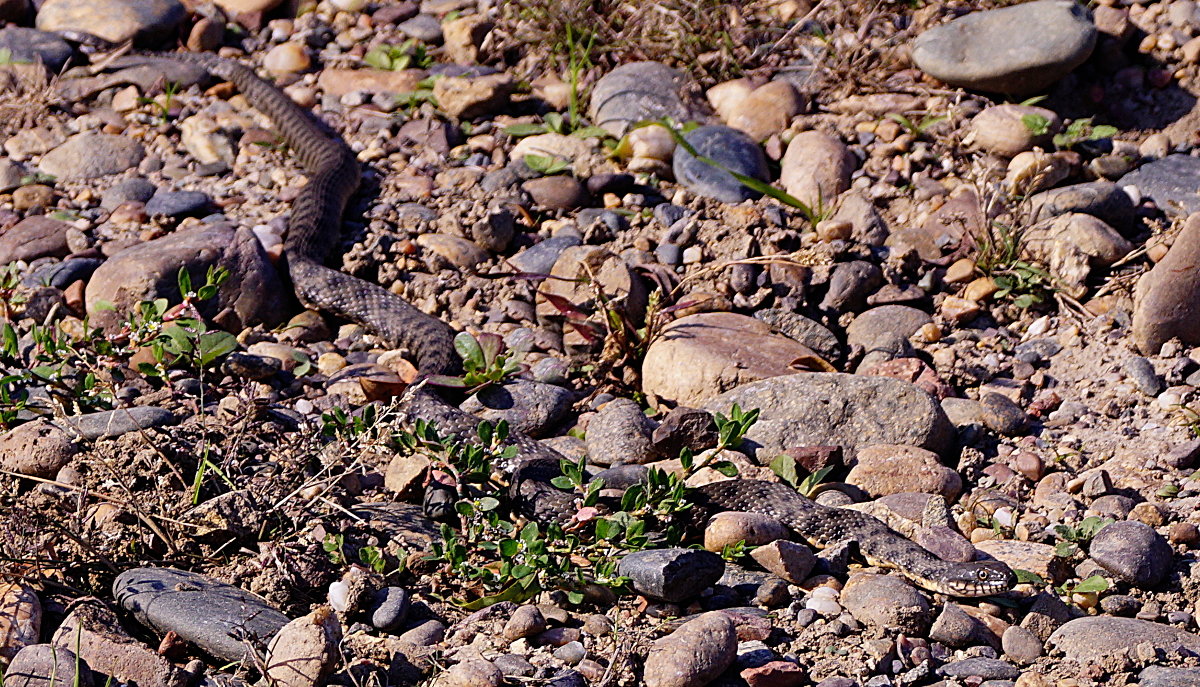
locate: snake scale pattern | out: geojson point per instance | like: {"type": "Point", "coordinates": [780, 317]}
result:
{"type": "Point", "coordinates": [313, 236]}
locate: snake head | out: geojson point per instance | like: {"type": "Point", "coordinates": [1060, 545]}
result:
{"type": "Point", "coordinates": [979, 578]}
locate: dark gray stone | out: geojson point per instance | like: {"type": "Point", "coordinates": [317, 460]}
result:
{"type": "Point", "coordinates": [1133, 552]}
{"type": "Point", "coordinates": [251, 366]}
{"type": "Point", "coordinates": [734, 150]}
{"type": "Point", "coordinates": [206, 612]}
{"type": "Point", "coordinates": [1021, 645]}
{"type": "Point", "coordinates": [685, 427]}
{"type": "Point", "coordinates": [874, 324]}
{"type": "Point", "coordinates": [389, 608]}
{"type": "Point", "coordinates": [1162, 676]}
{"type": "Point", "coordinates": [423, 27]}
{"type": "Point", "coordinates": [1101, 199]}
{"type": "Point", "coordinates": [540, 258]}
{"type": "Point", "coordinates": [850, 284]}
{"type": "Point", "coordinates": [136, 189]}
{"type": "Point", "coordinates": [672, 575]}
{"type": "Point", "coordinates": [60, 275]}
{"type": "Point", "coordinates": [1170, 182]}
{"type": "Point", "coordinates": [835, 409]}
{"type": "Point", "coordinates": [887, 601]}
{"type": "Point", "coordinates": [34, 665]}
{"type": "Point", "coordinates": [113, 423]}
{"type": "Point", "coordinates": [31, 45]}
{"type": "Point", "coordinates": [800, 328]}
{"type": "Point", "coordinates": [91, 155]}
{"type": "Point", "coordinates": [178, 203]}
{"type": "Point", "coordinates": [1120, 604]}
{"type": "Point", "coordinates": [531, 407]}
{"type": "Point", "coordinates": [1001, 414]}
{"type": "Point", "coordinates": [620, 433]}
{"type": "Point", "coordinates": [1183, 455]}
{"type": "Point", "coordinates": [637, 92]}
{"type": "Point", "coordinates": [986, 668]}
{"type": "Point", "coordinates": [1141, 371]}
{"type": "Point", "coordinates": [1095, 637]}
{"type": "Point", "coordinates": [1016, 50]}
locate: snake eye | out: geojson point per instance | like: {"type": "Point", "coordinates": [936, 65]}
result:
{"type": "Point", "coordinates": [981, 574]}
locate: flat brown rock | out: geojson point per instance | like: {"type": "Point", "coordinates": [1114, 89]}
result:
{"type": "Point", "coordinates": [703, 355]}
{"type": "Point", "coordinates": [1167, 298]}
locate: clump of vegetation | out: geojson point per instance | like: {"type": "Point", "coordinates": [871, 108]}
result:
{"type": "Point", "coordinates": [486, 360]}
{"type": "Point", "coordinates": [409, 54]}
{"type": "Point", "coordinates": [1001, 257]}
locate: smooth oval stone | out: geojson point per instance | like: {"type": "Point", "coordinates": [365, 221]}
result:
{"type": "Point", "coordinates": [1132, 551]}
{"type": "Point", "coordinates": [30, 45]}
{"type": "Point", "coordinates": [60, 275]}
{"type": "Point", "coordinates": [1170, 182]}
{"type": "Point", "coordinates": [731, 148]}
{"type": "Point", "coordinates": [114, 423]}
{"type": "Point", "coordinates": [540, 258]}
{"type": "Point", "coordinates": [177, 203]}
{"type": "Point", "coordinates": [1016, 50]}
{"type": "Point", "coordinates": [389, 608]}
{"type": "Point", "coordinates": [637, 92]}
{"type": "Point", "coordinates": [206, 612]}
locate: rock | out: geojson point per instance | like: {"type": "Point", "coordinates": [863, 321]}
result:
{"type": "Point", "coordinates": [37, 448]}
{"type": "Point", "coordinates": [1103, 200]}
{"type": "Point", "coordinates": [1141, 371]}
{"type": "Point", "coordinates": [531, 407]}
{"type": "Point", "coordinates": [115, 21]}
{"type": "Point", "coordinates": [46, 665]}
{"type": "Point", "coordinates": [87, 156]}
{"type": "Point", "coordinates": [287, 58]}
{"type": "Point", "coordinates": [178, 203]}
{"type": "Point", "coordinates": [558, 192]}
{"type": "Point", "coordinates": [671, 575]}
{"type": "Point", "coordinates": [247, 6]}
{"type": "Point", "coordinates": [251, 366]}
{"type": "Point", "coordinates": [1010, 129]}
{"type": "Point", "coordinates": [914, 371]}
{"type": "Point", "coordinates": [252, 294]}
{"type": "Point", "coordinates": [1047, 613]}
{"type": "Point", "coordinates": [766, 110]}
{"type": "Point", "coordinates": [465, 36]}
{"type": "Point", "coordinates": [466, 98]}
{"type": "Point", "coordinates": [423, 27]}
{"type": "Point", "coordinates": [526, 621]}
{"type": "Point", "coordinates": [887, 601]}
{"type": "Point", "coordinates": [1024, 555]}
{"type": "Point", "coordinates": [1133, 552]}
{"type": "Point", "coordinates": [946, 228]}
{"type": "Point", "coordinates": [955, 627]}
{"type": "Point", "coordinates": [816, 169]}
{"type": "Point", "coordinates": [1016, 50]}
{"type": "Point", "coordinates": [1021, 645]}
{"type": "Point", "coordinates": [788, 560]}
{"type": "Point", "coordinates": [339, 82]}
{"type": "Point", "coordinates": [34, 237]}
{"type": "Point", "coordinates": [884, 469]}
{"type": "Point", "coordinates": [834, 409]}
{"type": "Point", "coordinates": [1035, 170]}
{"type": "Point", "coordinates": [871, 327]}
{"type": "Point", "coordinates": [136, 189]}
{"type": "Point", "coordinates": [808, 332]}
{"type": "Point", "coordinates": [637, 92]}
{"type": "Point", "coordinates": [1166, 298]}
{"type": "Point", "coordinates": [1170, 182]}
{"type": "Point", "coordinates": [93, 633]}
{"type": "Point", "coordinates": [734, 150]}
{"type": "Point", "coordinates": [540, 257]}
{"type": "Point", "coordinates": [685, 427]}
{"type": "Point", "coordinates": [1072, 245]}
{"type": "Point", "coordinates": [729, 528]}
{"type": "Point", "coordinates": [620, 433]}
{"type": "Point", "coordinates": [30, 45]}
{"type": "Point", "coordinates": [1094, 638]}
{"type": "Point", "coordinates": [1183, 455]}
{"type": "Point", "coordinates": [456, 250]}
{"type": "Point", "coordinates": [389, 608]}
{"type": "Point", "coordinates": [693, 655]}
{"type": "Point", "coordinates": [15, 11]}
{"type": "Point", "coordinates": [199, 609]}
{"type": "Point", "coordinates": [305, 650]}
{"type": "Point", "coordinates": [1162, 676]}
{"type": "Point", "coordinates": [471, 673]}
{"type": "Point", "coordinates": [107, 424]}
{"type": "Point", "coordinates": [867, 225]}
{"type": "Point", "coordinates": [850, 284]}
{"type": "Point", "coordinates": [945, 543]}
{"type": "Point", "coordinates": [1001, 414]}
{"type": "Point", "coordinates": [702, 355]}
{"type": "Point", "coordinates": [20, 619]}
{"type": "Point", "coordinates": [775, 674]}
{"type": "Point", "coordinates": [980, 667]}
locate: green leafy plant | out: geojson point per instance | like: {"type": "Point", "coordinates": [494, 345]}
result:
{"type": "Point", "coordinates": [916, 129]}
{"type": "Point", "coordinates": [1073, 536]}
{"type": "Point", "coordinates": [162, 105]}
{"type": "Point", "coordinates": [37, 178]}
{"type": "Point", "coordinates": [409, 54]}
{"type": "Point", "coordinates": [578, 61]}
{"type": "Point", "coordinates": [546, 164]}
{"type": "Point", "coordinates": [337, 423]}
{"type": "Point", "coordinates": [486, 360]}
{"type": "Point", "coordinates": [422, 94]}
{"type": "Point", "coordinates": [732, 429]}
{"type": "Point", "coordinates": [333, 545]}
{"type": "Point", "coordinates": [179, 336]}
{"type": "Point", "coordinates": [1082, 130]}
{"type": "Point", "coordinates": [1000, 257]}
{"type": "Point", "coordinates": [787, 469]}
{"type": "Point", "coordinates": [1036, 124]}
{"type": "Point", "coordinates": [1095, 584]}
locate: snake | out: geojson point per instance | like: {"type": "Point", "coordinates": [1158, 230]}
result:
{"type": "Point", "coordinates": [313, 233]}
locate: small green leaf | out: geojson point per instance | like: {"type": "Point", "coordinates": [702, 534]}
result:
{"type": "Point", "coordinates": [785, 467]}
{"type": "Point", "coordinates": [725, 468]}
{"type": "Point", "coordinates": [1093, 584]}
{"type": "Point", "coordinates": [590, 132]}
{"type": "Point", "coordinates": [378, 58]}
{"type": "Point", "coordinates": [522, 130]}
{"type": "Point", "coordinates": [215, 344]}
{"type": "Point", "coordinates": [563, 482]}
{"type": "Point", "coordinates": [1027, 577]}
{"type": "Point", "coordinates": [468, 349]}
{"type": "Point", "coordinates": [488, 503]}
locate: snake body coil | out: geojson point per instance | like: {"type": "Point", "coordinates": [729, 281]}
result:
{"type": "Point", "coordinates": [313, 234]}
